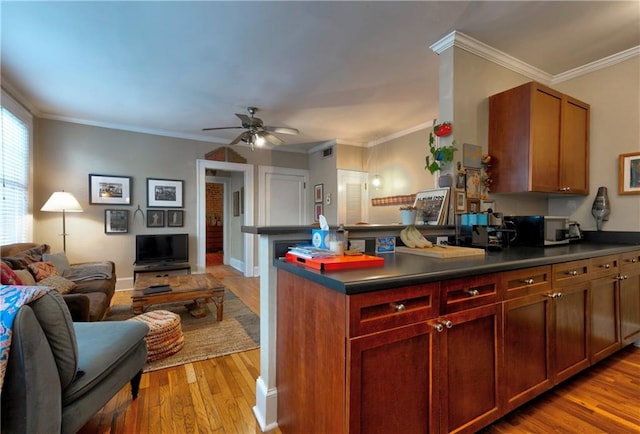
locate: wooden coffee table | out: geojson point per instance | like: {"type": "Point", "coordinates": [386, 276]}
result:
{"type": "Point", "coordinates": [197, 288]}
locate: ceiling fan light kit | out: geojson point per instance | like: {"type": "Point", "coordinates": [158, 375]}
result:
{"type": "Point", "coordinates": [257, 133]}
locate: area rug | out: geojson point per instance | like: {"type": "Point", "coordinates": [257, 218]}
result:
{"type": "Point", "coordinates": [205, 338]}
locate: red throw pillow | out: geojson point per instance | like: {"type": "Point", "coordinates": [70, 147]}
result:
{"type": "Point", "coordinates": [42, 270]}
{"type": "Point", "coordinates": [8, 276]}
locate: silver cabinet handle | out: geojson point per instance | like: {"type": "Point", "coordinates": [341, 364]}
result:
{"type": "Point", "coordinates": [399, 307]}
{"type": "Point", "coordinates": [572, 273]}
{"type": "Point", "coordinates": [529, 281]}
{"type": "Point", "coordinates": [622, 277]}
{"type": "Point", "coordinates": [472, 292]}
{"type": "Point", "coordinates": [438, 327]}
{"type": "Point", "coordinates": [448, 324]}
{"type": "Point", "coordinates": [607, 266]}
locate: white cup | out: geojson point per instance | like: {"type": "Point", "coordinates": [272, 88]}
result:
{"type": "Point", "coordinates": [337, 247]}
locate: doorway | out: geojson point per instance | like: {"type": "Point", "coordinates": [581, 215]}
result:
{"type": "Point", "coordinates": [243, 259]}
{"type": "Point", "coordinates": [216, 197]}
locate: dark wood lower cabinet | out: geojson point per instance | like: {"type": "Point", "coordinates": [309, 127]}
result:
{"type": "Point", "coordinates": [527, 371]}
{"type": "Point", "coordinates": [570, 332]}
{"type": "Point", "coordinates": [605, 321]}
{"type": "Point", "coordinates": [470, 359]}
{"type": "Point", "coordinates": [630, 298]}
{"type": "Point", "coordinates": [390, 381]}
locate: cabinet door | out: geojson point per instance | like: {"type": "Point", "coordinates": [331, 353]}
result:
{"type": "Point", "coordinates": [570, 331]}
{"type": "Point", "coordinates": [605, 333]}
{"type": "Point", "coordinates": [527, 369]}
{"type": "Point", "coordinates": [390, 380]}
{"type": "Point", "coordinates": [630, 297]}
{"type": "Point", "coordinates": [574, 149]}
{"type": "Point", "coordinates": [470, 368]}
{"type": "Point", "coordinates": [545, 135]}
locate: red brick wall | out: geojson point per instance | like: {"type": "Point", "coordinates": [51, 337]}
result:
{"type": "Point", "coordinates": [215, 202]}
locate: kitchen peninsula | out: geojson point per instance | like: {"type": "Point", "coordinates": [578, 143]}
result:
{"type": "Point", "coordinates": [431, 345]}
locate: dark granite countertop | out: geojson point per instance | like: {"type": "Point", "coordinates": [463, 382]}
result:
{"type": "Point", "coordinates": [402, 269]}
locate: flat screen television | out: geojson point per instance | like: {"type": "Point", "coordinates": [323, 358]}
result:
{"type": "Point", "coordinates": [160, 248]}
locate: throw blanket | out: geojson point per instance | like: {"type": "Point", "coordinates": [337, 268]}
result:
{"type": "Point", "coordinates": [98, 270]}
{"type": "Point", "coordinates": [12, 298]}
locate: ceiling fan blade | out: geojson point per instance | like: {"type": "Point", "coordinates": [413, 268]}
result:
{"type": "Point", "coordinates": [239, 138]}
{"type": "Point", "coordinates": [220, 128]}
{"type": "Point", "coordinates": [281, 130]}
{"type": "Point", "coordinates": [244, 118]}
{"type": "Point", "coordinates": [274, 140]}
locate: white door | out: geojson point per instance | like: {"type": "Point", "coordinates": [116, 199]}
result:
{"type": "Point", "coordinates": [282, 194]}
{"type": "Point", "coordinates": [352, 197]}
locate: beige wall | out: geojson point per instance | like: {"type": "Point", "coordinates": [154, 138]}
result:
{"type": "Point", "coordinates": [66, 153]}
{"type": "Point", "coordinates": [322, 170]}
{"type": "Point", "coordinates": [614, 95]}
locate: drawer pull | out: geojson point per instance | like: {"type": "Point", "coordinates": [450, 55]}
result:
{"type": "Point", "coordinates": [399, 307]}
{"type": "Point", "coordinates": [572, 273]}
{"type": "Point", "coordinates": [633, 261]}
{"type": "Point", "coordinates": [448, 324]}
{"type": "Point", "coordinates": [622, 277]}
{"type": "Point", "coordinates": [529, 281]}
{"type": "Point", "coordinates": [472, 292]}
{"type": "Point", "coordinates": [607, 266]}
{"type": "Point", "coordinates": [554, 295]}
{"type": "Point", "coordinates": [438, 327]}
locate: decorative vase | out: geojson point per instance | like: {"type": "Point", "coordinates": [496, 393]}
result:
{"type": "Point", "coordinates": [601, 207]}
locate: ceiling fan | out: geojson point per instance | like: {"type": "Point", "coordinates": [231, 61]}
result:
{"type": "Point", "coordinates": [257, 133]}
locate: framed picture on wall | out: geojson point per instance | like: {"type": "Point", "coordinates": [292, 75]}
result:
{"type": "Point", "coordinates": [116, 221]}
{"type": "Point", "coordinates": [155, 218]}
{"type": "Point", "coordinates": [175, 218]}
{"type": "Point", "coordinates": [473, 205]}
{"type": "Point", "coordinates": [461, 202]}
{"type": "Point", "coordinates": [629, 173]}
{"type": "Point", "coordinates": [164, 193]}
{"type": "Point", "coordinates": [109, 189]}
{"type": "Point", "coordinates": [318, 211]}
{"type": "Point", "coordinates": [318, 193]}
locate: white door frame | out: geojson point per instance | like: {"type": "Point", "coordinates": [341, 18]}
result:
{"type": "Point", "coordinates": [201, 211]}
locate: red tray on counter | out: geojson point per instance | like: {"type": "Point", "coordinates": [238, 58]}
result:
{"type": "Point", "coordinates": [337, 262]}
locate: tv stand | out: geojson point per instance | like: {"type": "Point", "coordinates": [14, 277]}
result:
{"type": "Point", "coordinates": [159, 267]}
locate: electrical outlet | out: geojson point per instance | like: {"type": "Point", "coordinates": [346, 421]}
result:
{"type": "Point", "coordinates": [442, 241]}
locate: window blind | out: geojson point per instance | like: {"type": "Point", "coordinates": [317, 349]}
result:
{"type": "Point", "coordinates": [16, 220]}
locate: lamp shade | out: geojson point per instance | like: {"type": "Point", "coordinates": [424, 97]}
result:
{"type": "Point", "coordinates": [61, 201]}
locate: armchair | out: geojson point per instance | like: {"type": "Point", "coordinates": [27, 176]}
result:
{"type": "Point", "coordinates": [60, 373]}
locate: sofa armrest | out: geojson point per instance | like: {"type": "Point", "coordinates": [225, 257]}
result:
{"type": "Point", "coordinates": [79, 306]}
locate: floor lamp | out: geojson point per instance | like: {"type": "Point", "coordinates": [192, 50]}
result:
{"type": "Point", "coordinates": [64, 202]}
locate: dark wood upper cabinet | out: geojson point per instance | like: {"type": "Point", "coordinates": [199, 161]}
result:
{"type": "Point", "coordinates": [538, 141]}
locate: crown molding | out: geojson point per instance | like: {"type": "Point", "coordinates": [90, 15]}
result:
{"type": "Point", "coordinates": [597, 65]}
{"type": "Point", "coordinates": [19, 97]}
{"type": "Point", "coordinates": [467, 43]}
{"type": "Point", "coordinates": [399, 134]}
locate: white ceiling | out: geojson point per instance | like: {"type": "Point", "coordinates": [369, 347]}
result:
{"type": "Point", "coordinates": [353, 72]}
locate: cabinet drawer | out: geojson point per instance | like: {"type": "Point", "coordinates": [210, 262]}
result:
{"type": "Point", "coordinates": [630, 262]}
{"type": "Point", "coordinates": [468, 292]}
{"type": "Point", "coordinates": [568, 273]}
{"type": "Point", "coordinates": [382, 310]}
{"type": "Point", "coordinates": [528, 281]}
{"type": "Point", "coordinates": [604, 266]}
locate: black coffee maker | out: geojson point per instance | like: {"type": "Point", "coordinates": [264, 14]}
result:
{"type": "Point", "coordinates": [487, 230]}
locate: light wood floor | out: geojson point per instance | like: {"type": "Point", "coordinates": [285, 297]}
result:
{"type": "Point", "coordinates": [217, 396]}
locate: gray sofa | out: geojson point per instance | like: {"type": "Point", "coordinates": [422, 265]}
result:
{"type": "Point", "coordinates": [60, 373]}
{"type": "Point", "coordinates": [89, 300]}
